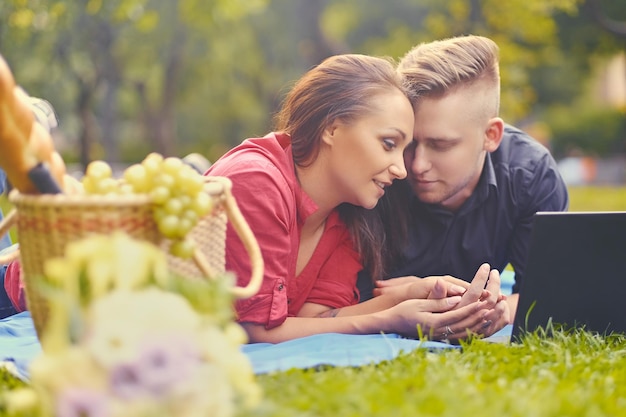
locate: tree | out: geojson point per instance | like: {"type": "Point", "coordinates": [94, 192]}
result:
{"type": "Point", "coordinates": [525, 30]}
{"type": "Point", "coordinates": [129, 62]}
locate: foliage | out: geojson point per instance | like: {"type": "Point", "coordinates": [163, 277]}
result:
{"type": "Point", "coordinates": [525, 31]}
{"type": "Point", "coordinates": [594, 131]}
{"type": "Point", "coordinates": [177, 77]}
{"type": "Point", "coordinates": [111, 100]}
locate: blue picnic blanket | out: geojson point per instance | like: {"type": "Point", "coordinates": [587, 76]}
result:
{"type": "Point", "coordinates": [19, 345]}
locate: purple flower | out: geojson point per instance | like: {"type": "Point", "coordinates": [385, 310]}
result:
{"type": "Point", "coordinates": [82, 402]}
{"type": "Point", "coordinates": [164, 363]}
{"type": "Point", "coordinates": [125, 380]}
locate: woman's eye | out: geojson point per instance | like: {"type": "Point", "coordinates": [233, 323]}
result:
{"type": "Point", "coordinates": [389, 144]}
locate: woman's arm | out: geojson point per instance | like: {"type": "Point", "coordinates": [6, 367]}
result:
{"type": "Point", "coordinates": [432, 316]}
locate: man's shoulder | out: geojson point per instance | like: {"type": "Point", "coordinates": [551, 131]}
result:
{"type": "Point", "coordinates": [520, 150]}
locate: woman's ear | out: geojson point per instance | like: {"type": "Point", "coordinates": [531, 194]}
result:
{"type": "Point", "coordinates": [493, 134]}
{"type": "Point", "coordinates": [329, 133]}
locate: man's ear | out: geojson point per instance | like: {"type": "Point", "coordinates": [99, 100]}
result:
{"type": "Point", "coordinates": [493, 134]}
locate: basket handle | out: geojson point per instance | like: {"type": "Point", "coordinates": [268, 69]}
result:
{"type": "Point", "coordinates": [5, 225]}
{"type": "Point", "coordinates": [245, 234]}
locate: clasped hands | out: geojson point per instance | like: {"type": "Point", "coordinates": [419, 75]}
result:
{"type": "Point", "coordinates": [448, 308]}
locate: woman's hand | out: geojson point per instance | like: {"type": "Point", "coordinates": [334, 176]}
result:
{"type": "Point", "coordinates": [411, 287]}
{"type": "Point", "coordinates": [484, 289]}
{"type": "Point", "coordinates": [437, 319]}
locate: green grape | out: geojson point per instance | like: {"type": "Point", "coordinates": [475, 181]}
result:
{"type": "Point", "coordinates": [98, 170]}
{"type": "Point", "coordinates": [173, 166]}
{"type": "Point", "coordinates": [190, 215]}
{"type": "Point", "coordinates": [137, 176]}
{"type": "Point", "coordinates": [185, 200]}
{"type": "Point", "coordinates": [169, 226]}
{"type": "Point", "coordinates": [185, 225]}
{"type": "Point", "coordinates": [108, 186]}
{"type": "Point", "coordinates": [90, 185]}
{"type": "Point", "coordinates": [202, 204]}
{"type": "Point", "coordinates": [173, 206]}
{"type": "Point", "coordinates": [183, 248]}
{"type": "Point", "coordinates": [152, 163]}
{"type": "Point", "coordinates": [175, 189]}
{"type": "Point", "coordinates": [190, 182]}
{"type": "Point", "coordinates": [159, 213]}
{"type": "Point", "coordinates": [165, 179]}
{"type": "Point", "coordinates": [126, 189]}
{"type": "Point", "coordinates": [160, 194]}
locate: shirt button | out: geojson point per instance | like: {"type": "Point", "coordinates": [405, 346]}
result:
{"type": "Point", "coordinates": [280, 287]}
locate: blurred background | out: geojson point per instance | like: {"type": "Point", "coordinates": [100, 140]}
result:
{"type": "Point", "coordinates": [128, 77]}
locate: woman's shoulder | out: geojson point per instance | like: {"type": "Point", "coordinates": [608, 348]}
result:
{"type": "Point", "coordinates": [254, 155]}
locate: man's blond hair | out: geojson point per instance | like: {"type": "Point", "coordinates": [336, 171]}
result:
{"type": "Point", "coordinates": [437, 68]}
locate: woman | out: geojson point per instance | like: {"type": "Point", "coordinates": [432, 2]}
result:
{"type": "Point", "coordinates": [305, 191]}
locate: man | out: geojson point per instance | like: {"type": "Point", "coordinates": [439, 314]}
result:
{"type": "Point", "coordinates": [474, 182]}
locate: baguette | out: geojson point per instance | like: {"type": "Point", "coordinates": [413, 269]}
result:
{"type": "Point", "coordinates": [24, 143]}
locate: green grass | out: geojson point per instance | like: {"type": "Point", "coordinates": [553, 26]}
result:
{"type": "Point", "coordinates": [5, 207]}
{"type": "Point", "coordinates": [575, 374]}
{"type": "Point", "coordinates": [597, 198]}
{"type": "Point", "coordinates": [571, 374]}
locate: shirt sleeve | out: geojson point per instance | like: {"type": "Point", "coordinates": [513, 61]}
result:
{"type": "Point", "coordinates": [268, 206]}
{"type": "Point", "coordinates": [14, 286]}
{"type": "Point", "coordinates": [541, 189]}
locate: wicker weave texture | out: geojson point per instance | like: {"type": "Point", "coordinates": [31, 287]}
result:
{"type": "Point", "coordinates": [47, 223]}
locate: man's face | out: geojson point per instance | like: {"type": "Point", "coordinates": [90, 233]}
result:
{"type": "Point", "coordinates": [450, 141]}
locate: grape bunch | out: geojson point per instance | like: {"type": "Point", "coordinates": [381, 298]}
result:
{"type": "Point", "coordinates": [174, 187]}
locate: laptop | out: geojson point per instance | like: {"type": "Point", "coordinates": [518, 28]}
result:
{"type": "Point", "coordinates": [575, 273]}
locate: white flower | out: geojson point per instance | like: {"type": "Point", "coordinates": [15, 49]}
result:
{"type": "Point", "coordinates": [120, 321]}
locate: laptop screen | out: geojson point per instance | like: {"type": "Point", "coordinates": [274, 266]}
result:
{"type": "Point", "coordinates": [575, 274]}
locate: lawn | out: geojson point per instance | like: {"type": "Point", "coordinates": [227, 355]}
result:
{"type": "Point", "coordinates": [571, 374]}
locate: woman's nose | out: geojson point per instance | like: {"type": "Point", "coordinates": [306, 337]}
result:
{"type": "Point", "coordinates": [397, 169]}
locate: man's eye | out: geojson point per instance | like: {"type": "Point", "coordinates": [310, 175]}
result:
{"type": "Point", "coordinates": [441, 146]}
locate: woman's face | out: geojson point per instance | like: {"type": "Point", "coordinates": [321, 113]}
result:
{"type": "Point", "coordinates": [365, 156]}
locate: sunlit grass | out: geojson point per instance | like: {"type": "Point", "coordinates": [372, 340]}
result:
{"type": "Point", "coordinates": [6, 207]}
{"type": "Point", "coordinates": [573, 374]}
{"type": "Point", "coordinates": [597, 198]}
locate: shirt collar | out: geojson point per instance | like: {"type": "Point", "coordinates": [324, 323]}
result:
{"type": "Point", "coordinates": [305, 206]}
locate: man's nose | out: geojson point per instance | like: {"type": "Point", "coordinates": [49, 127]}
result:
{"type": "Point", "coordinates": [419, 162]}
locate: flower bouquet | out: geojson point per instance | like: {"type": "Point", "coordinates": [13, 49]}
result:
{"type": "Point", "coordinates": [127, 338]}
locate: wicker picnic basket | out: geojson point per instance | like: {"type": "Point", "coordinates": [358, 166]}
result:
{"type": "Point", "coordinates": [47, 223]}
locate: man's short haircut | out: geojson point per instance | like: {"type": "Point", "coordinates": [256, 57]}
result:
{"type": "Point", "coordinates": [437, 68]}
